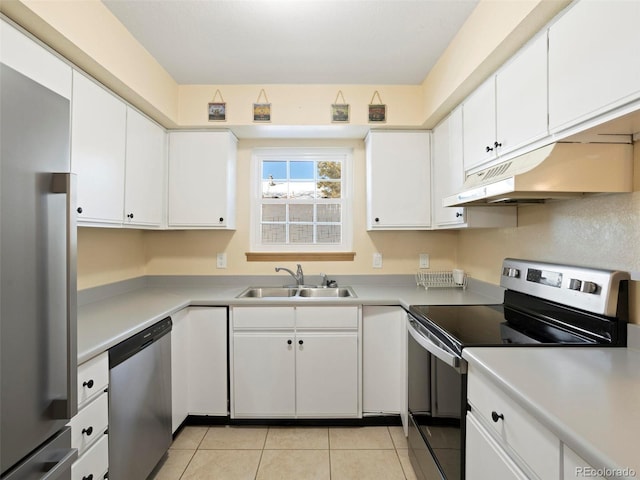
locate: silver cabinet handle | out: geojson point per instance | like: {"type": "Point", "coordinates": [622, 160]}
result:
{"type": "Point", "coordinates": [65, 183]}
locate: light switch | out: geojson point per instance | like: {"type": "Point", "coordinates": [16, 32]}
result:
{"type": "Point", "coordinates": [424, 260]}
{"type": "Point", "coordinates": [377, 260]}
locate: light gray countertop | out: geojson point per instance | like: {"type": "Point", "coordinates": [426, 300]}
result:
{"type": "Point", "coordinates": [588, 397]}
{"type": "Point", "coordinates": [105, 321]}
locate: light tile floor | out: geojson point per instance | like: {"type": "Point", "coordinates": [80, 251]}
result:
{"type": "Point", "coordinates": [283, 453]}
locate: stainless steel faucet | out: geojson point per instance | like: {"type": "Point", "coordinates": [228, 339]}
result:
{"type": "Point", "coordinates": [298, 276]}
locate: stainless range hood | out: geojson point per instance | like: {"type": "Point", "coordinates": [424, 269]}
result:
{"type": "Point", "coordinates": [558, 170]}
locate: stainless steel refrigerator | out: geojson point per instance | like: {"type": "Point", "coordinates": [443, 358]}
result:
{"type": "Point", "coordinates": [38, 351]}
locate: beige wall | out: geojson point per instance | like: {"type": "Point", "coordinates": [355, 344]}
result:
{"type": "Point", "coordinates": [301, 104]}
{"type": "Point", "coordinates": [107, 255]}
{"type": "Point", "coordinates": [88, 34]}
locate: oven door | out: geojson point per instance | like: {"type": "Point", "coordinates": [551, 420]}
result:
{"type": "Point", "coordinates": [437, 400]}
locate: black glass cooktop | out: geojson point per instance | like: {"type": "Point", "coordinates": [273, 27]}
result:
{"type": "Point", "coordinates": [461, 326]}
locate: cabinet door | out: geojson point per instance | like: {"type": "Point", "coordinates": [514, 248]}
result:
{"type": "Point", "coordinates": [479, 125]}
{"type": "Point", "coordinates": [201, 180]}
{"type": "Point", "coordinates": [145, 171]}
{"type": "Point", "coordinates": [207, 374]}
{"type": "Point", "coordinates": [179, 369]}
{"type": "Point", "coordinates": [593, 67]}
{"type": "Point", "coordinates": [327, 375]}
{"type": "Point", "coordinates": [485, 458]}
{"type": "Point", "coordinates": [98, 125]}
{"type": "Point", "coordinates": [263, 376]}
{"type": "Point", "coordinates": [521, 98]}
{"type": "Point", "coordinates": [384, 379]}
{"type": "Point", "coordinates": [448, 170]}
{"type": "Point", "coordinates": [398, 180]}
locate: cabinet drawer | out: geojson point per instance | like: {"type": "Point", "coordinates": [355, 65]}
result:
{"type": "Point", "coordinates": [89, 424]}
{"type": "Point", "coordinates": [327, 317]}
{"type": "Point", "coordinates": [263, 318]}
{"type": "Point", "coordinates": [93, 377]}
{"type": "Point", "coordinates": [94, 463]}
{"type": "Point", "coordinates": [522, 435]}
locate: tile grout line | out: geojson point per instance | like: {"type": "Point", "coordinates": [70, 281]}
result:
{"type": "Point", "coordinates": [194, 454]}
{"type": "Point", "coordinates": [329, 445]}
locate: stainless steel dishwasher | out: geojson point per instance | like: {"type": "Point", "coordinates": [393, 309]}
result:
{"type": "Point", "coordinates": [140, 402]}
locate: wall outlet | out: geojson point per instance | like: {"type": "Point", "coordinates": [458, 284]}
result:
{"type": "Point", "coordinates": [221, 260]}
{"type": "Point", "coordinates": [424, 260]}
{"type": "Point", "coordinates": [377, 260]}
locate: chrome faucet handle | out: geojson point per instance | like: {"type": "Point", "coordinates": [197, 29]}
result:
{"type": "Point", "coordinates": [325, 280]}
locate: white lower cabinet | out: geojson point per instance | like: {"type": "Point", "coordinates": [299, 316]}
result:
{"type": "Point", "coordinates": [290, 362]}
{"type": "Point", "coordinates": [199, 363]}
{"type": "Point", "coordinates": [264, 374]}
{"type": "Point", "coordinates": [179, 369]}
{"type": "Point", "coordinates": [485, 458]}
{"type": "Point", "coordinates": [496, 422]}
{"type": "Point", "coordinates": [89, 426]}
{"type": "Point", "coordinates": [94, 463]}
{"type": "Point", "coordinates": [327, 374]}
{"type": "Point", "coordinates": [384, 364]}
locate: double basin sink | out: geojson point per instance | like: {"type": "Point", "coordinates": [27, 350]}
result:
{"type": "Point", "coordinates": [298, 292]}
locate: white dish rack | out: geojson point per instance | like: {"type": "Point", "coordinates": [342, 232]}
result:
{"type": "Point", "coordinates": [439, 279]}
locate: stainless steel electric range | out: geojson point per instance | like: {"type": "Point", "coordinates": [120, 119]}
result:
{"type": "Point", "coordinates": [544, 304]}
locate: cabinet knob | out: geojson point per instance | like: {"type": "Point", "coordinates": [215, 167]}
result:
{"type": "Point", "coordinates": [79, 210]}
{"type": "Point", "coordinates": [130, 215]}
{"type": "Point", "coordinates": [88, 384]}
{"type": "Point", "coordinates": [300, 342]}
{"type": "Point", "coordinates": [488, 149]}
{"type": "Point", "coordinates": [495, 416]}
{"type": "Point", "coordinates": [88, 431]}
{"type": "Point", "coordinates": [88, 477]}
{"type": "Point", "coordinates": [497, 144]}
{"type": "Point", "coordinates": [221, 219]}
{"type": "Point", "coordinates": [289, 342]}
{"type": "Point", "coordinates": [458, 214]}
{"type": "Point", "coordinates": [377, 219]}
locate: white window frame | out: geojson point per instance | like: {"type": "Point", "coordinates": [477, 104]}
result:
{"type": "Point", "coordinates": [345, 155]}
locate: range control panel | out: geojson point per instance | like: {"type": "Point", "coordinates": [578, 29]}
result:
{"type": "Point", "coordinates": [591, 289]}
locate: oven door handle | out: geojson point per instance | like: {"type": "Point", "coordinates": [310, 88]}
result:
{"type": "Point", "coordinates": [429, 345]}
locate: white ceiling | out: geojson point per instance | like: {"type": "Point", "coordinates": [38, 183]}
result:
{"type": "Point", "coordinates": [216, 42]}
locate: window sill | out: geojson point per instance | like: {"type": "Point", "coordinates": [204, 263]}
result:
{"type": "Point", "coordinates": [300, 256]}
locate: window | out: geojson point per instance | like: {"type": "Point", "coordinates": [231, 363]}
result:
{"type": "Point", "coordinates": [301, 200]}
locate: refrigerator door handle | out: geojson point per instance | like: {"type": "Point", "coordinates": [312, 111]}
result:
{"type": "Point", "coordinates": [57, 470]}
{"type": "Point", "coordinates": [65, 183]}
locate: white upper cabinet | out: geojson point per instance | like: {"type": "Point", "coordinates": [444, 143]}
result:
{"type": "Point", "coordinates": [202, 180]}
{"type": "Point", "coordinates": [98, 133]}
{"type": "Point", "coordinates": [593, 60]}
{"type": "Point", "coordinates": [509, 110]}
{"type": "Point", "coordinates": [31, 60]}
{"type": "Point", "coordinates": [479, 123]}
{"type": "Point", "coordinates": [521, 98]}
{"type": "Point", "coordinates": [448, 176]}
{"type": "Point", "coordinates": [398, 180]}
{"type": "Point", "coordinates": [146, 162]}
